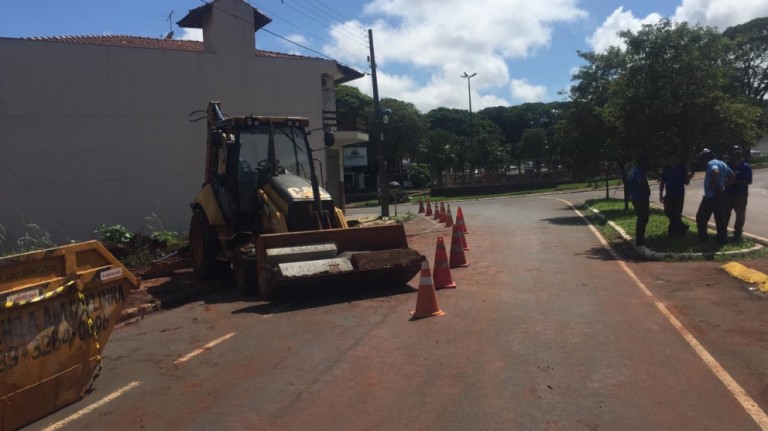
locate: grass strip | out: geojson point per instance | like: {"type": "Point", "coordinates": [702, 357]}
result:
{"type": "Point", "coordinates": [656, 237]}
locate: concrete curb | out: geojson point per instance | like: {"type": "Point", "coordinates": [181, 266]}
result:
{"type": "Point", "coordinates": [734, 269]}
{"type": "Point", "coordinates": [747, 275]}
{"type": "Point", "coordinates": [481, 198]}
{"type": "Point", "coordinates": [652, 255]}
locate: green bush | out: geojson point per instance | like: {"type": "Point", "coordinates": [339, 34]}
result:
{"type": "Point", "coordinates": [169, 238]}
{"type": "Point", "coordinates": [117, 234]}
{"type": "Point", "coordinates": [420, 176]}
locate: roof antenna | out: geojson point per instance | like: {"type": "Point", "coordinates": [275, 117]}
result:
{"type": "Point", "coordinates": [170, 26]}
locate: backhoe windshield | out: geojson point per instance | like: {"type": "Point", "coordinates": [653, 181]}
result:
{"type": "Point", "coordinates": [290, 149]}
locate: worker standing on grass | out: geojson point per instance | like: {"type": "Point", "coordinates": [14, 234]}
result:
{"type": "Point", "coordinates": [674, 178]}
{"type": "Point", "coordinates": [737, 192]}
{"type": "Point", "coordinates": [640, 194]}
{"type": "Point", "coordinates": [717, 175]}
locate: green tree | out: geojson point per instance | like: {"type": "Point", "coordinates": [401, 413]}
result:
{"type": "Point", "coordinates": [583, 132]}
{"type": "Point", "coordinates": [533, 144]}
{"type": "Point", "coordinates": [675, 93]}
{"type": "Point", "coordinates": [512, 121]}
{"type": "Point", "coordinates": [487, 150]}
{"type": "Point", "coordinates": [406, 131]}
{"type": "Point", "coordinates": [441, 148]}
{"type": "Point", "coordinates": [451, 120]}
{"type": "Point", "coordinates": [351, 102]}
{"type": "Point", "coordinates": [750, 53]}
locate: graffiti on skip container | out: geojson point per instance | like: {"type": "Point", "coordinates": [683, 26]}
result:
{"type": "Point", "coordinates": [41, 332]}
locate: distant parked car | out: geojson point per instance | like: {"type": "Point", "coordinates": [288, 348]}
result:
{"type": "Point", "coordinates": [755, 153]}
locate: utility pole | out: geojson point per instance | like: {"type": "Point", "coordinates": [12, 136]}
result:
{"type": "Point", "coordinates": [383, 184]}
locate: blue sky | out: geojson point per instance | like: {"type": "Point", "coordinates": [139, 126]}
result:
{"type": "Point", "coordinates": [522, 50]}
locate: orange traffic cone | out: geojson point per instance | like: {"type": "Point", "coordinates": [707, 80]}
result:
{"type": "Point", "coordinates": [448, 217]}
{"type": "Point", "coordinates": [442, 271]}
{"type": "Point", "coordinates": [421, 205]}
{"type": "Point", "coordinates": [426, 299]}
{"type": "Point", "coordinates": [460, 221]}
{"type": "Point", "coordinates": [437, 212]}
{"type": "Point", "coordinates": [429, 209]}
{"type": "Point", "coordinates": [458, 259]}
{"type": "Point", "coordinates": [442, 213]}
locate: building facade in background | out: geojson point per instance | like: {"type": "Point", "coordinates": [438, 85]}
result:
{"type": "Point", "coordinates": [94, 129]}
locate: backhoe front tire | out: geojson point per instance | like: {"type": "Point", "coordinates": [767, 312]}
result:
{"type": "Point", "coordinates": [205, 247]}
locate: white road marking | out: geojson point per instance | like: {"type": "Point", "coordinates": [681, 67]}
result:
{"type": "Point", "coordinates": [747, 402]}
{"type": "Point", "coordinates": [191, 355]}
{"type": "Point", "coordinates": [277, 310]}
{"type": "Point", "coordinates": [64, 422]}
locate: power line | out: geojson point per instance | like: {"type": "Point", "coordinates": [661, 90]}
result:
{"type": "Point", "coordinates": [356, 29]}
{"type": "Point", "coordinates": [343, 18]}
{"type": "Point", "coordinates": [328, 20]}
{"type": "Point", "coordinates": [273, 33]}
{"type": "Point", "coordinates": [297, 44]}
{"type": "Point", "coordinates": [311, 34]}
{"type": "Point", "coordinates": [288, 21]}
{"type": "Point", "coordinates": [313, 18]}
{"type": "Point", "coordinates": [302, 29]}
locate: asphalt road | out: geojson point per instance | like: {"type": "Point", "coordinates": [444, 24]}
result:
{"type": "Point", "coordinates": [546, 330]}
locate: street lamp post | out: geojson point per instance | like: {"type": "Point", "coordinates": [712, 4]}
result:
{"type": "Point", "coordinates": [469, 92]}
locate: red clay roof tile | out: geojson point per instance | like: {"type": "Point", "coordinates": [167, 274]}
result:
{"type": "Point", "coordinates": [146, 42]}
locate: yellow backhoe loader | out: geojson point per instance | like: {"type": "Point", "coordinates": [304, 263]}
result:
{"type": "Point", "coordinates": [262, 212]}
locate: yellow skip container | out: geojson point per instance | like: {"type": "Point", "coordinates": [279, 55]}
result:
{"type": "Point", "coordinates": [57, 309]}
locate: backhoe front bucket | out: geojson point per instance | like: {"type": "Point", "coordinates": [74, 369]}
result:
{"type": "Point", "coordinates": [362, 256]}
{"type": "Point", "coordinates": [59, 307]}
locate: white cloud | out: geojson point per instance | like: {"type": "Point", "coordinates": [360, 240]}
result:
{"type": "Point", "coordinates": [720, 13]}
{"type": "Point", "coordinates": [524, 92]}
{"type": "Point", "coordinates": [388, 84]}
{"type": "Point", "coordinates": [191, 34]}
{"type": "Point", "coordinates": [438, 40]}
{"type": "Point", "coordinates": [347, 48]}
{"type": "Point", "coordinates": [607, 34]}
{"type": "Point", "coordinates": [717, 13]}
{"type": "Point", "coordinates": [296, 39]}
{"type": "Point", "coordinates": [489, 101]}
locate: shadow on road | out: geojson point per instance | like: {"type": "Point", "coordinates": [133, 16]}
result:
{"type": "Point", "coordinates": [566, 221]}
{"type": "Point", "coordinates": [300, 298]}
{"type": "Point", "coordinates": [598, 252]}
{"type": "Point", "coordinates": [183, 288]}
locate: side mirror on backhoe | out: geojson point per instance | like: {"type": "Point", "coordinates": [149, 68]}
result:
{"type": "Point", "coordinates": [328, 138]}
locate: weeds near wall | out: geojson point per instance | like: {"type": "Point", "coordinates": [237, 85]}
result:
{"type": "Point", "coordinates": [139, 249]}
{"type": "Point", "coordinates": [4, 249]}
{"type": "Point", "coordinates": [35, 238]}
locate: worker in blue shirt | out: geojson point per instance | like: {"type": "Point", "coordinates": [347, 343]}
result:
{"type": "Point", "coordinates": [713, 203]}
{"type": "Point", "coordinates": [737, 192]}
{"type": "Point", "coordinates": [674, 178]}
{"type": "Point", "coordinates": [640, 194]}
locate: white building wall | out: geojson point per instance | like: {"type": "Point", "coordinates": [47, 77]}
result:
{"type": "Point", "coordinates": [95, 135]}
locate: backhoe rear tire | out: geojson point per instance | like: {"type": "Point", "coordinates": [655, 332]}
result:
{"type": "Point", "coordinates": [205, 247]}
